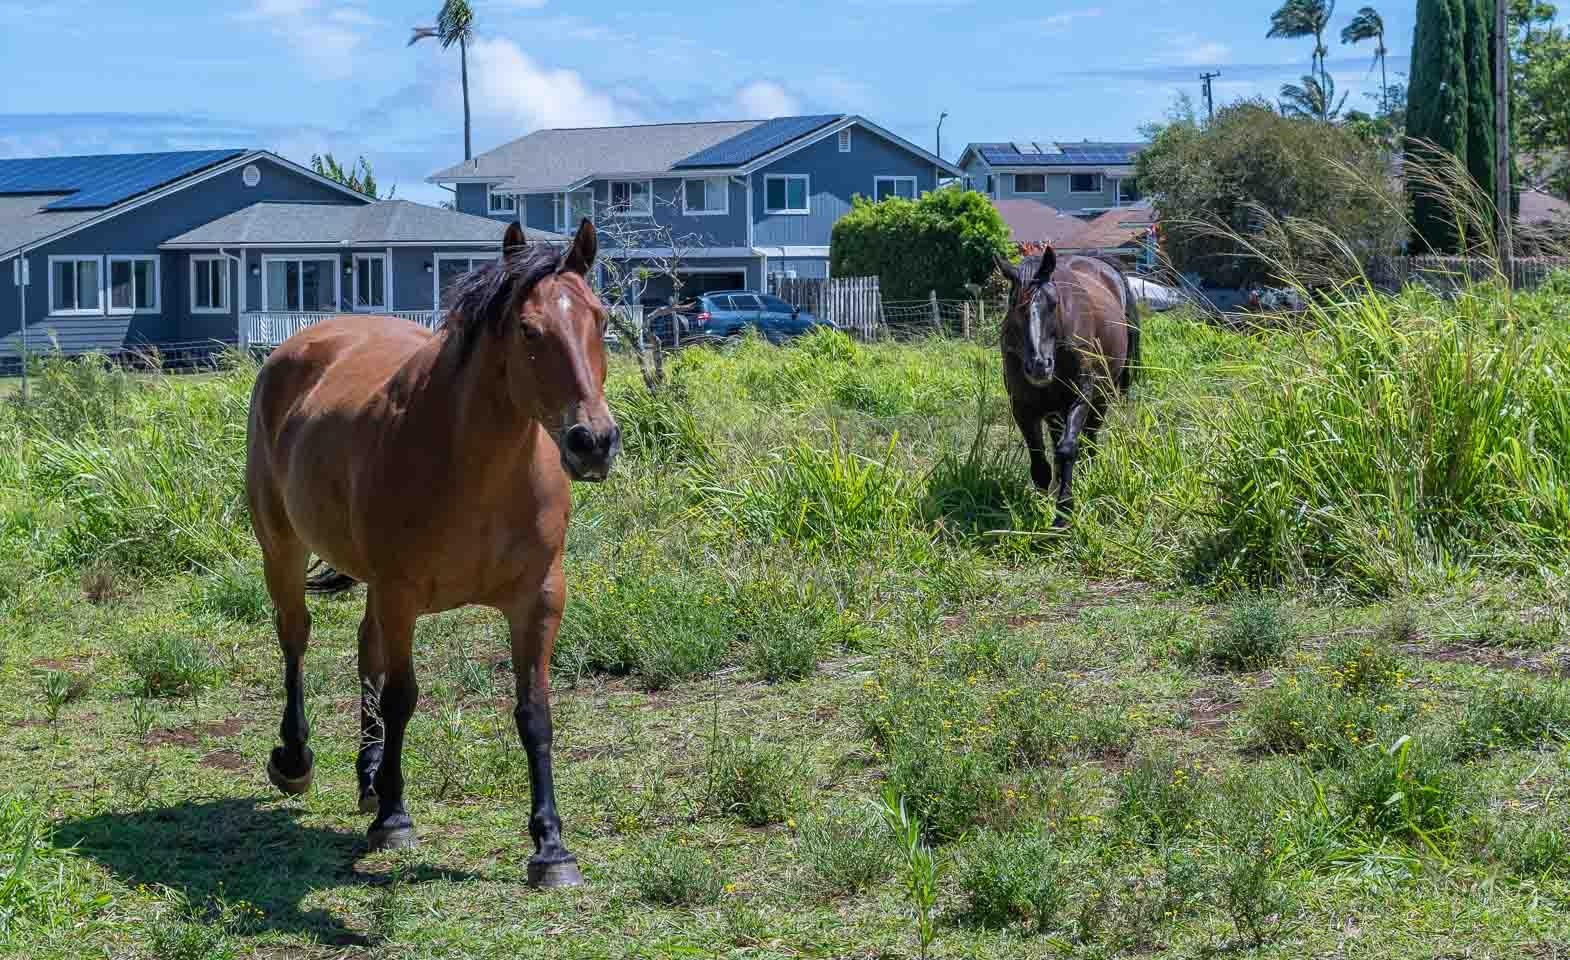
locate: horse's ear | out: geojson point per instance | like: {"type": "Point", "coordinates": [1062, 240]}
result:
{"type": "Point", "coordinates": [1049, 263]}
{"type": "Point", "coordinates": [585, 247]}
{"type": "Point", "coordinates": [513, 240]}
{"type": "Point", "coordinates": [1006, 268]}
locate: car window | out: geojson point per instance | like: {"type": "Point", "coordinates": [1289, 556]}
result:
{"type": "Point", "coordinates": [744, 301]}
{"type": "Point", "coordinates": [720, 303]}
{"type": "Point", "coordinates": [776, 305]}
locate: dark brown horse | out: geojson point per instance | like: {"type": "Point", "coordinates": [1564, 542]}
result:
{"type": "Point", "coordinates": [1070, 344]}
{"type": "Point", "coordinates": [435, 469]}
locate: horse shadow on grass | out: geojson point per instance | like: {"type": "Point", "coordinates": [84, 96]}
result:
{"type": "Point", "coordinates": [240, 850]}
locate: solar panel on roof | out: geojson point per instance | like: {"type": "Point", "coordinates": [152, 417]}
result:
{"type": "Point", "coordinates": [751, 144]}
{"type": "Point", "coordinates": [103, 181]}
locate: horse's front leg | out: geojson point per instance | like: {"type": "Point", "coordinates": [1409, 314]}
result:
{"type": "Point", "coordinates": [1082, 413]}
{"type": "Point", "coordinates": [534, 623]}
{"type": "Point", "coordinates": [1030, 428]}
{"type": "Point", "coordinates": [391, 638]}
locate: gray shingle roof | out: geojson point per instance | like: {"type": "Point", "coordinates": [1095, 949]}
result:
{"type": "Point", "coordinates": [547, 159]}
{"type": "Point", "coordinates": [386, 221]}
{"type": "Point", "coordinates": [23, 219]}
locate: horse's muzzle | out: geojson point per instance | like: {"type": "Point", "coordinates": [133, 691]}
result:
{"type": "Point", "coordinates": [586, 453]}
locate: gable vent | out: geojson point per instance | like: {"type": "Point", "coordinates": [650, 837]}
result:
{"type": "Point", "coordinates": [845, 140]}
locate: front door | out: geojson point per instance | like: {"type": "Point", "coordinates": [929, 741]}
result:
{"type": "Point", "coordinates": [370, 283]}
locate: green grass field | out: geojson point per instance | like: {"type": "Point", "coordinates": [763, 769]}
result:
{"type": "Point", "coordinates": [1289, 686]}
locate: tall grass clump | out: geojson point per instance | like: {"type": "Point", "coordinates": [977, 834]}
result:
{"type": "Point", "coordinates": [1399, 432]}
{"type": "Point", "coordinates": [37, 888]}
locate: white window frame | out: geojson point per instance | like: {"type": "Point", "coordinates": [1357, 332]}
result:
{"type": "Point", "coordinates": [1119, 194]}
{"type": "Point", "coordinates": [561, 210]}
{"type": "Point", "coordinates": [103, 297]}
{"type": "Point", "coordinates": [436, 271]}
{"type": "Point", "coordinates": [724, 183]}
{"type": "Point", "coordinates": [1031, 193]}
{"type": "Point", "coordinates": [1101, 184]}
{"type": "Point", "coordinates": [303, 258]}
{"type": "Point", "coordinates": [204, 262]}
{"type": "Point", "coordinates": [133, 259]}
{"type": "Point", "coordinates": [914, 185]}
{"type": "Point", "coordinates": [806, 193]}
{"type": "Point", "coordinates": [354, 283]}
{"type": "Point", "coordinates": [844, 140]}
{"type": "Point", "coordinates": [629, 211]}
{"type": "Point", "coordinates": [491, 197]}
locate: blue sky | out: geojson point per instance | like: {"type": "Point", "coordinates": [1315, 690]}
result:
{"type": "Point", "coordinates": [300, 76]}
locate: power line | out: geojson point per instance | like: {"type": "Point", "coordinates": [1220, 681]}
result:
{"type": "Point", "coordinates": [1210, 103]}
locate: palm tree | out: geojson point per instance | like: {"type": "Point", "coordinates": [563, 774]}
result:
{"type": "Point", "coordinates": [1369, 25]}
{"type": "Point", "coordinates": [1305, 18]}
{"type": "Point", "coordinates": [1311, 99]}
{"type": "Point", "coordinates": [454, 24]}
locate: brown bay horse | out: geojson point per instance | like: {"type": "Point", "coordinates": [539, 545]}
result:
{"type": "Point", "coordinates": [1070, 345]}
{"type": "Point", "coordinates": [435, 468]}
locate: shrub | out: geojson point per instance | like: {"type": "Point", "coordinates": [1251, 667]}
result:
{"type": "Point", "coordinates": [1401, 792]}
{"type": "Point", "coordinates": [787, 625]}
{"type": "Point", "coordinates": [676, 874]}
{"type": "Point", "coordinates": [756, 783]}
{"type": "Point", "coordinates": [1256, 633]}
{"type": "Point", "coordinates": [941, 241]}
{"type": "Point", "coordinates": [1307, 712]}
{"type": "Point", "coordinates": [170, 664]}
{"type": "Point", "coordinates": [1158, 798]}
{"type": "Point", "coordinates": [1515, 712]}
{"type": "Point", "coordinates": [233, 592]}
{"type": "Point", "coordinates": [1010, 878]}
{"type": "Point", "coordinates": [1365, 666]}
{"type": "Point", "coordinates": [846, 849]}
{"type": "Point", "coordinates": [663, 625]}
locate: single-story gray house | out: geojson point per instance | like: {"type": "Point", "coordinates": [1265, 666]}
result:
{"type": "Point", "coordinates": [188, 251]}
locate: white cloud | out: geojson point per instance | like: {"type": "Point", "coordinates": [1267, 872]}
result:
{"type": "Point", "coordinates": [515, 91]}
{"type": "Point", "coordinates": [1190, 50]}
{"type": "Point", "coordinates": [765, 98]}
{"type": "Point", "coordinates": [325, 38]}
{"type": "Point", "coordinates": [1067, 17]}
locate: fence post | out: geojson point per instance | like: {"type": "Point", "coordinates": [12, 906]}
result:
{"type": "Point", "coordinates": [937, 319]}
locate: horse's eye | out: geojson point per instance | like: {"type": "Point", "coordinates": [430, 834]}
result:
{"type": "Point", "coordinates": [531, 330]}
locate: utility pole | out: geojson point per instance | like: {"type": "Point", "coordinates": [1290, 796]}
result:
{"type": "Point", "coordinates": [941, 118]}
{"type": "Point", "coordinates": [1502, 190]}
{"type": "Point", "coordinates": [1210, 103]}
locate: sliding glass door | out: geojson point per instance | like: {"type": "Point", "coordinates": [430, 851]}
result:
{"type": "Point", "coordinates": [300, 284]}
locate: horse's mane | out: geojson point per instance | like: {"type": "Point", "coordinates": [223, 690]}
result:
{"type": "Point", "coordinates": [482, 296]}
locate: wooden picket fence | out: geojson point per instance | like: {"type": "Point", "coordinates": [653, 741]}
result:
{"type": "Point", "coordinates": [854, 304]}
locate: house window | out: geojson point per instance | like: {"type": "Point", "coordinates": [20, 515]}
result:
{"type": "Point", "coordinates": [992, 187]}
{"type": "Point", "coordinates": [785, 193]}
{"type": "Point", "coordinates": [449, 267]}
{"type": "Point", "coordinates": [570, 209]}
{"type": "Point", "coordinates": [1030, 183]}
{"type": "Point", "coordinates": [370, 281]}
{"type": "Point", "coordinates": [845, 140]}
{"type": "Point", "coordinates": [1084, 183]}
{"type": "Point", "coordinates": [133, 284]}
{"type": "Point", "coordinates": [631, 198]}
{"type": "Point", "coordinates": [300, 284]}
{"type": "Point", "coordinates": [1128, 190]}
{"type": "Point", "coordinates": [500, 202]}
{"type": "Point", "coordinates": [209, 285]}
{"type": "Point", "coordinates": [74, 286]}
{"type": "Point", "coordinates": [705, 197]}
{"type": "Point", "coordinates": [885, 187]}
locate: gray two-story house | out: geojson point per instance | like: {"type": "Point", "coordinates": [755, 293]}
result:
{"type": "Point", "coordinates": [734, 201]}
{"type": "Point", "coordinates": [1080, 179]}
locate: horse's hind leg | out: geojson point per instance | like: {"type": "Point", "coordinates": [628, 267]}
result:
{"type": "Point", "coordinates": [283, 564]}
{"type": "Point", "coordinates": [1079, 427]}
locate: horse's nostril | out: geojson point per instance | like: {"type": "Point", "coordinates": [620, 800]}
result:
{"type": "Point", "coordinates": [579, 440]}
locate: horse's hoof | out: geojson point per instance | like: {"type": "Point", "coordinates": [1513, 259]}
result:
{"type": "Point", "coordinates": [392, 838]}
{"type": "Point", "coordinates": [369, 802]}
{"type": "Point", "coordinates": [549, 876]}
{"type": "Point", "coordinates": [293, 786]}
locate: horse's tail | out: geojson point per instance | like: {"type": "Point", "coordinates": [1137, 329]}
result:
{"type": "Point", "coordinates": [328, 582]}
{"type": "Point", "coordinates": [1131, 318]}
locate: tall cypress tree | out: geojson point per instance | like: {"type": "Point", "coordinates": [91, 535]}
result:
{"type": "Point", "coordinates": [1437, 107]}
{"type": "Point", "coordinates": [1480, 138]}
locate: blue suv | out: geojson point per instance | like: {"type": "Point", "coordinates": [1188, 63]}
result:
{"type": "Point", "coordinates": [730, 313]}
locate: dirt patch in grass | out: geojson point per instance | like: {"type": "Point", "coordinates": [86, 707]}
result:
{"type": "Point", "coordinates": [224, 760]}
{"type": "Point", "coordinates": [191, 734]}
{"type": "Point", "coordinates": [1553, 665]}
{"type": "Point", "coordinates": [68, 664]}
{"type": "Point", "coordinates": [1208, 716]}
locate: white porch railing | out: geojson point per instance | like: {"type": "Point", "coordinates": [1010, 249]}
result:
{"type": "Point", "coordinates": [272, 328]}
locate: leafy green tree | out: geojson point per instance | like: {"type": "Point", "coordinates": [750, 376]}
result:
{"type": "Point", "coordinates": [1216, 186]}
{"type": "Point", "coordinates": [1480, 139]}
{"type": "Point", "coordinates": [1437, 107]}
{"type": "Point", "coordinates": [942, 241]}
{"type": "Point", "coordinates": [1311, 99]}
{"type": "Point", "coordinates": [454, 24]}
{"type": "Point", "coordinates": [1305, 18]}
{"type": "Point", "coordinates": [1367, 24]}
{"type": "Point", "coordinates": [1539, 102]}
{"type": "Point", "coordinates": [357, 177]}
